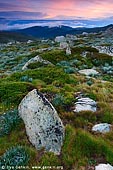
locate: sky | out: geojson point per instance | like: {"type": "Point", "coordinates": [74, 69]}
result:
{"type": "Point", "coordinates": [87, 13]}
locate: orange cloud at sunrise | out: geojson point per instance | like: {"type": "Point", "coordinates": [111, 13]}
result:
{"type": "Point", "coordinates": [88, 13]}
{"type": "Point", "coordinates": [85, 9]}
{"type": "Point", "coordinates": [62, 8]}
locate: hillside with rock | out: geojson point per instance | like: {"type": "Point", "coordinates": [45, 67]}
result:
{"type": "Point", "coordinates": [56, 102]}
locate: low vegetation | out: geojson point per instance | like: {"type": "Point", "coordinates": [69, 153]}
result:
{"type": "Point", "coordinates": [60, 83]}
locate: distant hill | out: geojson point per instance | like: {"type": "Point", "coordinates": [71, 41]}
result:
{"type": "Point", "coordinates": [8, 36]}
{"type": "Point", "coordinates": [48, 32]}
{"type": "Point", "coordinates": [51, 32]}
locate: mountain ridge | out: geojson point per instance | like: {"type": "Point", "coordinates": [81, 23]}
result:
{"type": "Point", "coordinates": [52, 32]}
{"type": "Point", "coordinates": [45, 32]}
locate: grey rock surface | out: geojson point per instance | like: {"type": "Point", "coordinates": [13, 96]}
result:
{"type": "Point", "coordinates": [68, 51]}
{"type": "Point", "coordinates": [63, 45]}
{"type": "Point", "coordinates": [88, 72]}
{"type": "Point", "coordinates": [36, 59]}
{"type": "Point", "coordinates": [60, 39]}
{"type": "Point", "coordinates": [105, 49]}
{"type": "Point", "coordinates": [43, 125]}
{"type": "Point", "coordinates": [84, 104]}
{"type": "Point", "coordinates": [104, 167]}
{"type": "Point", "coordinates": [102, 128]}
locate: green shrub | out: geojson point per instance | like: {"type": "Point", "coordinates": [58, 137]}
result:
{"type": "Point", "coordinates": [35, 65]}
{"type": "Point", "coordinates": [13, 92]}
{"type": "Point", "coordinates": [63, 63]}
{"type": "Point", "coordinates": [89, 82]}
{"type": "Point", "coordinates": [15, 156]}
{"type": "Point", "coordinates": [69, 70]}
{"type": "Point", "coordinates": [8, 121]}
{"type": "Point", "coordinates": [47, 74]}
{"type": "Point", "coordinates": [58, 100]}
{"type": "Point", "coordinates": [55, 56]}
{"type": "Point", "coordinates": [107, 117]}
{"type": "Point", "coordinates": [100, 59]}
{"type": "Point", "coordinates": [49, 159]}
{"type": "Point", "coordinates": [80, 146]}
{"type": "Point", "coordinates": [26, 79]}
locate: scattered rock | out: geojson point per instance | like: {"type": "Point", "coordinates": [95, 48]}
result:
{"type": "Point", "coordinates": [35, 59]}
{"type": "Point", "coordinates": [71, 37]}
{"type": "Point", "coordinates": [105, 49]}
{"type": "Point", "coordinates": [43, 125]}
{"type": "Point", "coordinates": [88, 72]}
{"type": "Point", "coordinates": [68, 51]}
{"type": "Point", "coordinates": [29, 41]}
{"type": "Point", "coordinates": [63, 45]}
{"type": "Point", "coordinates": [84, 54]}
{"type": "Point", "coordinates": [84, 33]}
{"type": "Point", "coordinates": [84, 104]}
{"type": "Point", "coordinates": [60, 39]}
{"type": "Point", "coordinates": [104, 167]}
{"type": "Point", "coordinates": [102, 128]}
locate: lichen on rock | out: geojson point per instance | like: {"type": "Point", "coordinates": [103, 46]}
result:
{"type": "Point", "coordinates": [43, 125]}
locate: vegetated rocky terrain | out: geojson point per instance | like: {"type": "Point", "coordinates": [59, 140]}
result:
{"type": "Point", "coordinates": [79, 76]}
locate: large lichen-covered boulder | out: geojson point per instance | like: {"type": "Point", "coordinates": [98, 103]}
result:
{"type": "Point", "coordinates": [43, 125]}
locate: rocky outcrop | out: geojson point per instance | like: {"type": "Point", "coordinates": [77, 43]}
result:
{"type": "Point", "coordinates": [84, 104]}
{"type": "Point", "coordinates": [105, 49]}
{"type": "Point", "coordinates": [104, 167]}
{"type": "Point", "coordinates": [102, 128]}
{"type": "Point", "coordinates": [43, 125]}
{"type": "Point", "coordinates": [36, 59]}
{"type": "Point", "coordinates": [88, 72]}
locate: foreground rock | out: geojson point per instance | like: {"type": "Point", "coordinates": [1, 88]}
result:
{"type": "Point", "coordinates": [43, 125]}
{"type": "Point", "coordinates": [36, 59]}
{"type": "Point", "coordinates": [84, 104]}
{"type": "Point", "coordinates": [88, 72]}
{"type": "Point", "coordinates": [102, 128]}
{"type": "Point", "coordinates": [104, 167]}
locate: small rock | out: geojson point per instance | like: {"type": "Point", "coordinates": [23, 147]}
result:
{"type": "Point", "coordinates": [84, 54]}
{"type": "Point", "coordinates": [71, 37]}
{"type": "Point", "coordinates": [68, 51]}
{"type": "Point", "coordinates": [102, 128]}
{"type": "Point", "coordinates": [43, 125]}
{"type": "Point", "coordinates": [104, 167]}
{"type": "Point", "coordinates": [88, 72]}
{"type": "Point", "coordinates": [63, 45]}
{"type": "Point", "coordinates": [84, 104]}
{"type": "Point", "coordinates": [29, 41]}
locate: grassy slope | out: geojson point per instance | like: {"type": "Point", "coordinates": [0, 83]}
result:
{"type": "Point", "coordinates": [81, 147]}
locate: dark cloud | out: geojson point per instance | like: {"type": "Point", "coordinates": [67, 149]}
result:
{"type": "Point", "coordinates": [22, 15]}
{"type": "Point", "coordinates": [9, 6]}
